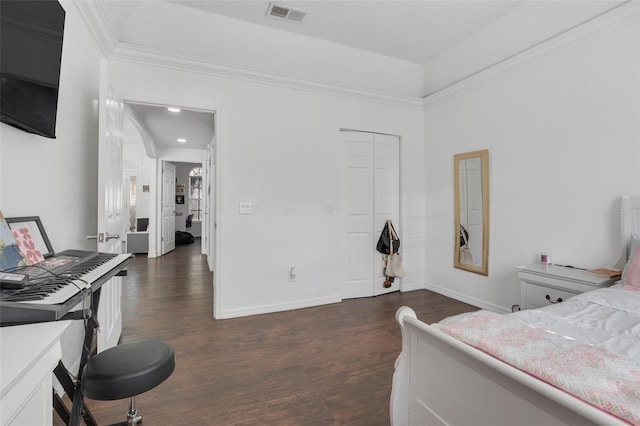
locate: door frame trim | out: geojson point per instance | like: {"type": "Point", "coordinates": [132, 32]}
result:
{"type": "Point", "coordinates": [343, 129]}
{"type": "Point", "coordinates": [216, 110]}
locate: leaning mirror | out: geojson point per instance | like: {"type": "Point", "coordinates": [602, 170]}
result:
{"type": "Point", "coordinates": [471, 211]}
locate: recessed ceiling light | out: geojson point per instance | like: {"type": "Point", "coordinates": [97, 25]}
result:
{"type": "Point", "coordinates": [182, 140]}
{"type": "Point", "coordinates": [173, 109]}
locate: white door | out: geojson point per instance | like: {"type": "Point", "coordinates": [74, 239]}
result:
{"type": "Point", "coordinates": [358, 183]}
{"type": "Point", "coordinates": [210, 213]}
{"type": "Point", "coordinates": [386, 198]}
{"type": "Point", "coordinates": [371, 182]}
{"type": "Point", "coordinates": [168, 207]}
{"type": "Point", "coordinates": [110, 206]}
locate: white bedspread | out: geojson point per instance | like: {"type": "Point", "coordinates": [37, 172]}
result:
{"type": "Point", "coordinates": [588, 346]}
{"type": "Point", "coordinates": [608, 318]}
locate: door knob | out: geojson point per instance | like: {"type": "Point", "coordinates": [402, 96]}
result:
{"type": "Point", "coordinates": [109, 236]}
{"type": "Point", "coordinates": [99, 237]}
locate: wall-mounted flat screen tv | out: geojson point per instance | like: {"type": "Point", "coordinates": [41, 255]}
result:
{"type": "Point", "coordinates": [31, 34]}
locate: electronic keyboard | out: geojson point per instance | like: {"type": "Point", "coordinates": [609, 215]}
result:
{"type": "Point", "coordinates": [57, 284]}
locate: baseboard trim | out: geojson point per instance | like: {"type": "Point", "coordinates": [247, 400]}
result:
{"type": "Point", "coordinates": [405, 287]}
{"type": "Point", "coordinates": [482, 304]}
{"type": "Point", "coordinates": [278, 307]}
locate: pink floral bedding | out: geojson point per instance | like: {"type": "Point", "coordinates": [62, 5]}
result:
{"type": "Point", "coordinates": [595, 375]}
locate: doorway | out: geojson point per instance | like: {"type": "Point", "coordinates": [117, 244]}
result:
{"type": "Point", "coordinates": [159, 136]}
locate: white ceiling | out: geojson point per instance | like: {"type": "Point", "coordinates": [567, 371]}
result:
{"type": "Point", "coordinates": [416, 31]}
{"type": "Point", "coordinates": [166, 127]}
{"type": "Point", "coordinates": [450, 39]}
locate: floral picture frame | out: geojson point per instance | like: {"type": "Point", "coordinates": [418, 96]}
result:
{"type": "Point", "coordinates": [32, 227]}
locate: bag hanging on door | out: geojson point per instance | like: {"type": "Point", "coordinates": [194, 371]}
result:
{"type": "Point", "coordinates": [393, 263]}
{"type": "Point", "coordinates": [394, 266]}
{"type": "Point", "coordinates": [388, 237]}
{"type": "Point", "coordinates": [465, 251]}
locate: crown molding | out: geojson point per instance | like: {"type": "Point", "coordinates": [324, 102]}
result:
{"type": "Point", "coordinates": [95, 19]}
{"type": "Point", "coordinates": [624, 14]}
{"type": "Point", "coordinates": [177, 61]}
{"type": "Point", "coordinates": [93, 15]}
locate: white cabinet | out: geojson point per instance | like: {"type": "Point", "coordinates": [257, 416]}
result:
{"type": "Point", "coordinates": [542, 285]}
{"type": "Point", "coordinates": [29, 355]}
{"type": "Point", "coordinates": [138, 242]}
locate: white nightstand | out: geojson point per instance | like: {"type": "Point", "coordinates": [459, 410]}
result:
{"type": "Point", "coordinates": [542, 285]}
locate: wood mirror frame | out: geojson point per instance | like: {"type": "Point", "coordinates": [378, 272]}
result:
{"type": "Point", "coordinates": [471, 210]}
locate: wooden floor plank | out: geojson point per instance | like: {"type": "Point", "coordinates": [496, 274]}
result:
{"type": "Point", "coordinates": [326, 365]}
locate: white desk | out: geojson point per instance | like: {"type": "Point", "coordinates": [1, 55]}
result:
{"type": "Point", "coordinates": [28, 355]}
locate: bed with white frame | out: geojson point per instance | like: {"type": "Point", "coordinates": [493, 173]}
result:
{"type": "Point", "coordinates": [439, 380]}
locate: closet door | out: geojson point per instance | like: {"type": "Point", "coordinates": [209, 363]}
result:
{"type": "Point", "coordinates": [358, 184]}
{"type": "Point", "coordinates": [371, 196]}
{"type": "Point", "coordinates": [386, 199]}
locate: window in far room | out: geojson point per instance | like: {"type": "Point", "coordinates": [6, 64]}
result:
{"type": "Point", "coordinates": [195, 193]}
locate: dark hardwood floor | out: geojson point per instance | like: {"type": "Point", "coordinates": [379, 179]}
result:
{"type": "Point", "coordinates": [327, 365]}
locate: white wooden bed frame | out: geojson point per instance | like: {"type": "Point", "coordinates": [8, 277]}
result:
{"type": "Point", "coordinates": [441, 381]}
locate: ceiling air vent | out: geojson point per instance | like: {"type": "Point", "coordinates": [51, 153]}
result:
{"type": "Point", "coordinates": [286, 13]}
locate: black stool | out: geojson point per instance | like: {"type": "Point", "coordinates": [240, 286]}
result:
{"type": "Point", "coordinates": [127, 370]}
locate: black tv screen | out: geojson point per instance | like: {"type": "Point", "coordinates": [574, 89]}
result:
{"type": "Point", "coordinates": [31, 34]}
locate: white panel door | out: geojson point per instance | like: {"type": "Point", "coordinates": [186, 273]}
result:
{"type": "Point", "coordinates": [359, 214]}
{"type": "Point", "coordinates": [386, 196]}
{"type": "Point", "coordinates": [168, 207]}
{"type": "Point", "coordinates": [371, 182]}
{"type": "Point", "coordinates": [110, 206]}
{"type": "Point", "coordinates": [210, 213]}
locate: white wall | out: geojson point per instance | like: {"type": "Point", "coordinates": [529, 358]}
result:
{"type": "Point", "coordinates": [280, 149]}
{"type": "Point", "coordinates": [56, 179]}
{"type": "Point", "coordinates": [562, 133]}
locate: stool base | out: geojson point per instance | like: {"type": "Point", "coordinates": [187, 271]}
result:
{"type": "Point", "coordinates": [133, 418]}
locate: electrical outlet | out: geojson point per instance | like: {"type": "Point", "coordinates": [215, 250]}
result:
{"type": "Point", "coordinates": [245, 207]}
{"type": "Point", "coordinates": [292, 274]}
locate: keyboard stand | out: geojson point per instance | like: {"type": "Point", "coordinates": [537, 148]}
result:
{"type": "Point", "coordinates": [79, 410]}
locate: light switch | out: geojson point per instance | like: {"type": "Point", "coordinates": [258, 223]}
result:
{"type": "Point", "coordinates": [245, 207]}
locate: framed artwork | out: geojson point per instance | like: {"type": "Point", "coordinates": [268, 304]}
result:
{"type": "Point", "coordinates": [31, 238]}
{"type": "Point", "coordinates": [11, 257]}
{"type": "Point", "coordinates": [179, 199]}
{"type": "Point", "coordinates": [180, 189]}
